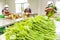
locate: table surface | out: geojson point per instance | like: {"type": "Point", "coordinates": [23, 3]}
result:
{"type": "Point", "coordinates": [5, 22]}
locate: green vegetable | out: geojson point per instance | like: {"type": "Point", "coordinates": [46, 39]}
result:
{"type": "Point", "coordinates": [57, 18]}
{"type": "Point", "coordinates": [34, 28]}
{"type": "Point", "coordinates": [51, 13]}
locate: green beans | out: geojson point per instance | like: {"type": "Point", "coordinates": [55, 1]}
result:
{"type": "Point", "coordinates": [34, 28]}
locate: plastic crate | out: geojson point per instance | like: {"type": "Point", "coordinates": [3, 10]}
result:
{"type": "Point", "coordinates": [2, 30]}
{"type": "Point", "coordinates": [2, 16]}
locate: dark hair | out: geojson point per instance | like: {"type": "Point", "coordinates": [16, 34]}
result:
{"type": "Point", "coordinates": [26, 10]}
{"type": "Point", "coordinates": [2, 10]}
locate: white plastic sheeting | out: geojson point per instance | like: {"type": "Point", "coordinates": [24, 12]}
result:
{"type": "Point", "coordinates": [57, 23]}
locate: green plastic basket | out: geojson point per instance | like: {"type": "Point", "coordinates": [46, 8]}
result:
{"type": "Point", "coordinates": [2, 29]}
{"type": "Point", "coordinates": [2, 16]}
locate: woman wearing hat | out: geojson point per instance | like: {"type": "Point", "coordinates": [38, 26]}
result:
{"type": "Point", "coordinates": [5, 11]}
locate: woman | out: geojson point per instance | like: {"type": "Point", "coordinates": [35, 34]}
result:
{"type": "Point", "coordinates": [27, 12]}
{"type": "Point", "coordinates": [5, 11]}
{"type": "Point", "coordinates": [51, 8]}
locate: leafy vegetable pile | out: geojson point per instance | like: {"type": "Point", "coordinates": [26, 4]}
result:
{"type": "Point", "coordinates": [37, 28]}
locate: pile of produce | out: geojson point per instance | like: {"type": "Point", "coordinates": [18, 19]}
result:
{"type": "Point", "coordinates": [37, 28]}
{"type": "Point", "coordinates": [13, 16]}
